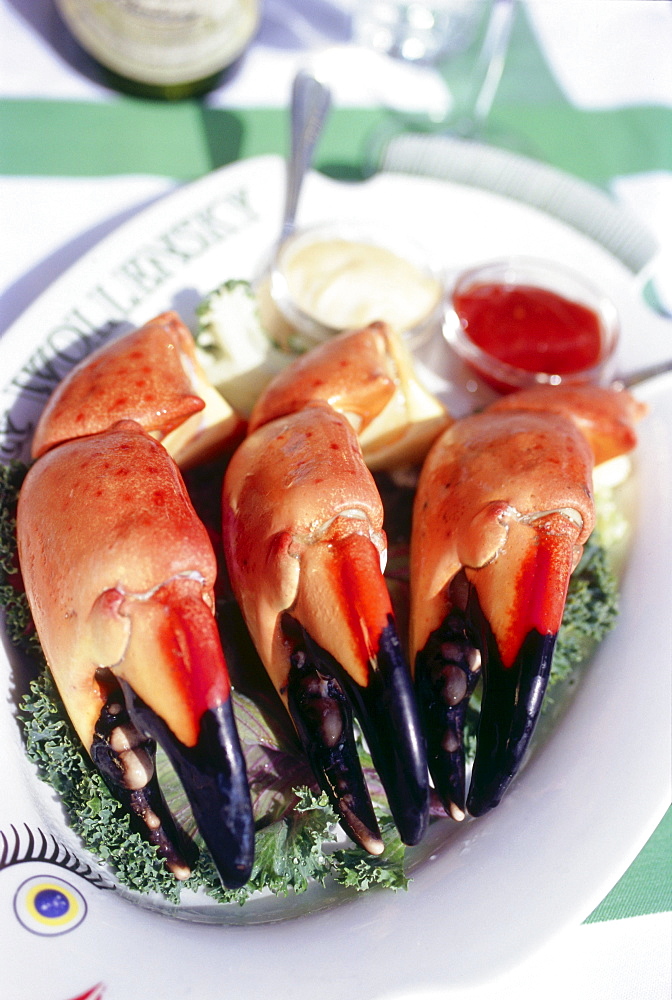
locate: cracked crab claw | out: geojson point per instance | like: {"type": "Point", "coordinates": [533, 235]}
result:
{"type": "Point", "coordinates": [150, 375]}
{"type": "Point", "coordinates": [503, 508]}
{"type": "Point", "coordinates": [304, 543]}
{"type": "Point", "coordinates": [119, 573]}
{"type": "Point", "coordinates": [303, 539]}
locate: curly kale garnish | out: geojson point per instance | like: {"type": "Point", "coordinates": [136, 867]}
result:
{"type": "Point", "coordinates": [93, 813]}
{"type": "Point", "coordinates": [18, 620]}
{"type": "Point", "coordinates": [289, 852]}
{"type": "Point", "coordinates": [590, 611]}
{"type": "Point", "coordinates": [362, 871]}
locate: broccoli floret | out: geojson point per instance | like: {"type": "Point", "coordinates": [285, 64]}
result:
{"type": "Point", "coordinates": [235, 350]}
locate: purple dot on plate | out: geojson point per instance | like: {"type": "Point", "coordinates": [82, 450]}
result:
{"type": "Point", "coordinates": [51, 903]}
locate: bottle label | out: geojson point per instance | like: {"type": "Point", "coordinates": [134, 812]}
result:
{"type": "Point", "coordinates": [162, 42]}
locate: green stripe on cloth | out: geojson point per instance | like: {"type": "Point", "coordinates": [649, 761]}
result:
{"type": "Point", "coordinates": [593, 145]}
{"type": "Point", "coordinates": [531, 115]}
{"type": "Point", "coordinates": [186, 140]}
{"type": "Point", "coordinates": [646, 887]}
{"type": "Point", "coordinates": [79, 139]}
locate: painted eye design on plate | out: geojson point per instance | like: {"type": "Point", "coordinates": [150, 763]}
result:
{"type": "Point", "coordinates": [15, 849]}
{"type": "Point", "coordinates": [49, 905]}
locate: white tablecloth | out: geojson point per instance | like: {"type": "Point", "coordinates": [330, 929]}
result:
{"type": "Point", "coordinates": [613, 53]}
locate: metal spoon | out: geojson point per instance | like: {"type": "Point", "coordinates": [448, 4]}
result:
{"type": "Point", "coordinates": [311, 101]}
{"type": "Point", "coordinates": [653, 371]}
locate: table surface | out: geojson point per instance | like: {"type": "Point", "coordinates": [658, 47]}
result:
{"type": "Point", "coordinates": [587, 88]}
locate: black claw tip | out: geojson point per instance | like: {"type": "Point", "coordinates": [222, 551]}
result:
{"type": "Point", "coordinates": [323, 721]}
{"type": "Point", "coordinates": [512, 699]}
{"type": "Point", "coordinates": [446, 673]}
{"type": "Point", "coordinates": [126, 761]}
{"type": "Point", "coordinates": [387, 713]}
{"type": "Point", "coordinates": [390, 721]}
{"type": "Point", "coordinates": [215, 781]}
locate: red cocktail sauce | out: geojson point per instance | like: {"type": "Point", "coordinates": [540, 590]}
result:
{"type": "Point", "coordinates": [529, 328]}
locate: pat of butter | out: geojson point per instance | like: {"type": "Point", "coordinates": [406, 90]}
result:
{"type": "Point", "coordinates": [346, 284]}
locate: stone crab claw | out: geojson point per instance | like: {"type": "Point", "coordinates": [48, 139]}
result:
{"type": "Point", "coordinates": [304, 543]}
{"type": "Point", "coordinates": [503, 507]}
{"type": "Point", "coordinates": [119, 572]}
{"type": "Point", "coordinates": [150, 375]}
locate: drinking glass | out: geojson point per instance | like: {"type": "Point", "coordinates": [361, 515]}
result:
{"type": "Point", "coordinates": [457, 49]}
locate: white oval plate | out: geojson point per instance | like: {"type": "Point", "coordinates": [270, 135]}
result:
{"type": "Point", "coordinates": [493, 890]}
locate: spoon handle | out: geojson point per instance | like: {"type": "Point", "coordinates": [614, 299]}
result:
{"type": "Point", "coordinates": [311, 100]}
{"type": "Point", "coordinates": [636, 378]}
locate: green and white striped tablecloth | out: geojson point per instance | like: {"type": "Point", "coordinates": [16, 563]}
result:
{"type": "Point", "coordinates": [587, 88]}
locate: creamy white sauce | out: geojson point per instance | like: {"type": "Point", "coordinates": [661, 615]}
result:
{"type": "Point", "coordinates": [345, 284]}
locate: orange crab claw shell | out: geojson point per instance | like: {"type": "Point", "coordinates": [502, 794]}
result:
{"type": "Point", "coordinates": [173, 659]}
{"type": "Point", "coordinates": [525, 587]}
{"type": "Point", "coordinates": [176, 690]}
{"type": "Point", "coordinates": [342, 600]}
{"type": "Point", "coordinates": [107, 514]}
{"type": "Point", "coordinates": [485, 473]}
{"type": "Point", "coordinates": [367, 375]}
{"type": "Point", "coordinates": [140, 376]}
{"type": "Point", "coordinates": [303, 540]}
{"type": "Point", "coordinates": [503, 508]}
{"type": "Point", "coordinates": [518, 602]}
{"type": "Point", "coordinates": [351, 372]}
{"type": "Point", "coordinates": [504, 622]}
{"type": "Point", "coordinates": [309, 466]}
{"type": "Point", "coordinates": [605, 416]}
{"type": "Point", "coordinates": [344, 610]}
{"type": "Point", "coordinates": [150, 375]}
{"type": "Point", "coordinates": [119, 573]}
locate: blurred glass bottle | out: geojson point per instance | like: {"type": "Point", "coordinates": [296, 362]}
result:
{"type": "Point", "coordinates": [168, 49]}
